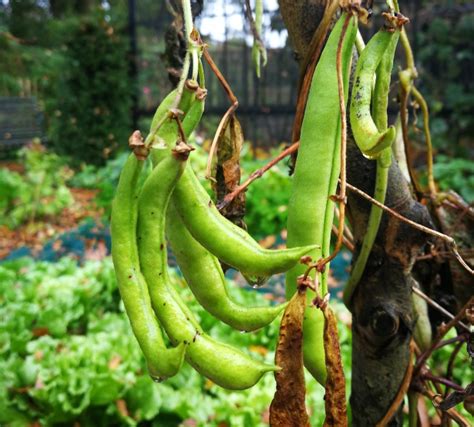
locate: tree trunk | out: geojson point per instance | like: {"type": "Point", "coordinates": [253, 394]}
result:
{"type": "Point", "coordinates": [381, 307]}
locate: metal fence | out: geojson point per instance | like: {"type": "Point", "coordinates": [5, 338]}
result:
{"type": "Point", "coordinates": [266, 106]}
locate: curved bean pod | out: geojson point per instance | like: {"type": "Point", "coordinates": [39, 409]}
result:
{"type": "Point", "coordinates": [315, 179]}
{"type": "Point", "coordinates": [370, 140]}
{"type": "Point", "coordinates": [162, 362]}
{"type": "Point", "coordinates": [228, 242]}
{"type": "Point", "coordinates": [384, 160]}
{"type": "Point", "coordinates": [205, 278]}
{"type": "Point", "coordinates": [226, 366]}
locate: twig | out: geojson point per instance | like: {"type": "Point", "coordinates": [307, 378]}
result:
{"type": "Point", "coordinates": [405, 384]}
{"type": "Point", "coordinates": [426, 128]}
{"type": "Point", "coordinates": [433, 378]}
{"type": "Point", "coordinates": [442, 332]}
{"type": "Point", "coordinates": [404, 94]}
{"type": "Point", "coordinates": [347, 230]}
{"type": "Point", "coordinates": [257, 174]}
{"type": "Point", "coordinates": [347, 243]}
{"type": "Point", "coordinates": [341, 197]}
{"type": "Point", "coordinates": [451, 242]}
{"type": "Point", "coordinates": [436, 399]}
{"type": "Point", "coordinates": [434, 304]}
{"type": "Point", "coordinates": [452, 358]}
{"type": "Point", "coordinates": [444, 254]}
{"type": "Point", "coordinates": [460, 339]}
{"type": "Point", "coordinates": [225, 118]}
{"type": "Point", "coordinates": [253, 27]}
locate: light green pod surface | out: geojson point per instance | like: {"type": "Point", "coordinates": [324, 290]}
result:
{"type": "Point", "coordinates": [370, 140]}
{"type": "Point", "coordinates": [384, 160]}
{"type": "Point", "coordinates": [315, 179]}
{"type": "Point", "coordinates": [163, 109]}
{"type": "Point", "coordinates": [422, 332]}
{"type": "Point", "coordinates": [382, 84]}
{"type": "Point", "coordinates": [224, 239]}
{"type": "Point", "coordinates": [162, 362]}
{"type": "Point", "coordinates": [226, 366]}
{"type": "Point", "coordinates": [205, 278]}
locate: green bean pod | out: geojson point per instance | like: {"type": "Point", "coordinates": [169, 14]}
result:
{"type": "Point", "coordinates": [422, 332]}
{"type": "Point", "coordinates": [205, 278]}
{"type": "Point", "coordinates": [384, 160]}
{"type": "Point", "coordinates": [315, 179]}
{"type": "Point", "coordinates": [162, 362]}
{"type": "Point", "coordinates": [370, 140]}
{"type": "Point", "coordinates": [226, 366]}
{"type": "Point", "coordinates": [228, 242]}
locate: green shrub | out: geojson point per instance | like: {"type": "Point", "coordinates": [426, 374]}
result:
{"type": "Point", "coordinates": [444, 59]}
{"type": "Point", "coordinates": [89, 109]}
{"type": "Point", "coordinates": [67, 355]}
{"type": "Point", "coordinates": [40, 192]}
{"type": "Point", "coordinates": [455, 174]}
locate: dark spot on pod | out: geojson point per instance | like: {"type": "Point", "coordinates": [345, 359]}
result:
{"type": "Point", "coordinates": [130, 276]}
{"type": "Point", "coordinates": [161, 246]}
{"type": "Point", "coordinates": [164, 304]}
{"type": "Point", "coordinates": [159, 274]}
{"type": "Point", "coordinates": [210, 203]}
{"type": "Point", "coordinates": [185, 342]}
{"type": "Point", "coordinates": [153, 213]}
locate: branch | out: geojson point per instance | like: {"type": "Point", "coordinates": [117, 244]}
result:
{"type": "Point", "coordinates": [257, 174]}
{"type": "Point", "coordinates": [442, 332]}
{"type": "Point", "coordinates": [451, 242]}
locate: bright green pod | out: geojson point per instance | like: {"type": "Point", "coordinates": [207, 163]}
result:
{"type": "Point", "coordinates": [370, 140]}
{"type": "Point", "coordinates": [217, 234]}
{"type": "Point", "coordinates": [162, 362]}
{"type": "Point", "coordinates": [384, 160]}
{"type": "Point", "coordinates": [169, 125]}
{"type": "Point", "coordinates": [223, 364]}
{"type": "Point", "coordinates": [224, 239]}
{"type": "Point", "coordinates": [205, 278]}
{"type": "Point", "coordinates": [382, 84]}
{"type": "Point", "coordinates": [422, 332]}
{"type": "Point", "coordinates": [310, 211]}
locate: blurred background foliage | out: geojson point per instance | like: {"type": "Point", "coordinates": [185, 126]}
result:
{"type": "Point", "coordinates": [66, 350]}
{"type": "Point", "coordinates": [75, 57]}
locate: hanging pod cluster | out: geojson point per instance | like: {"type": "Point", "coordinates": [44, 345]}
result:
{"type": "Point", "coordinates": [172, 206]}
{"type": "Point", "coordinates": [318, 167]}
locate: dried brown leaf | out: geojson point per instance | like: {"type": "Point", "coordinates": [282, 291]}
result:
{"type": "Point", "coordinates": [335, 399]}
{"type": "Point", "coordinates": [227, 170]}
{"type": "Point", "coordinates": [288, 406]}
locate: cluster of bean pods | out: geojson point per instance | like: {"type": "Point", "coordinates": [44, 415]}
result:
{"type": "Point", "coordinates": [317, 168]}
{"type": "Point", "coordinates": [171, 206]}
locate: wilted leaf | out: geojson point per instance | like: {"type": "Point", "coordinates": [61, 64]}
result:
{"type": "Point", "coordinates": [288, 406]}
{"type": "Point", "coordinates": [227, 170]}
{"type": "Point", "coordinates": [335, 398]}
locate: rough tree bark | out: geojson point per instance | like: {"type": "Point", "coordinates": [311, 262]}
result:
{"type": "Point", "coordinates": [381, 307]}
